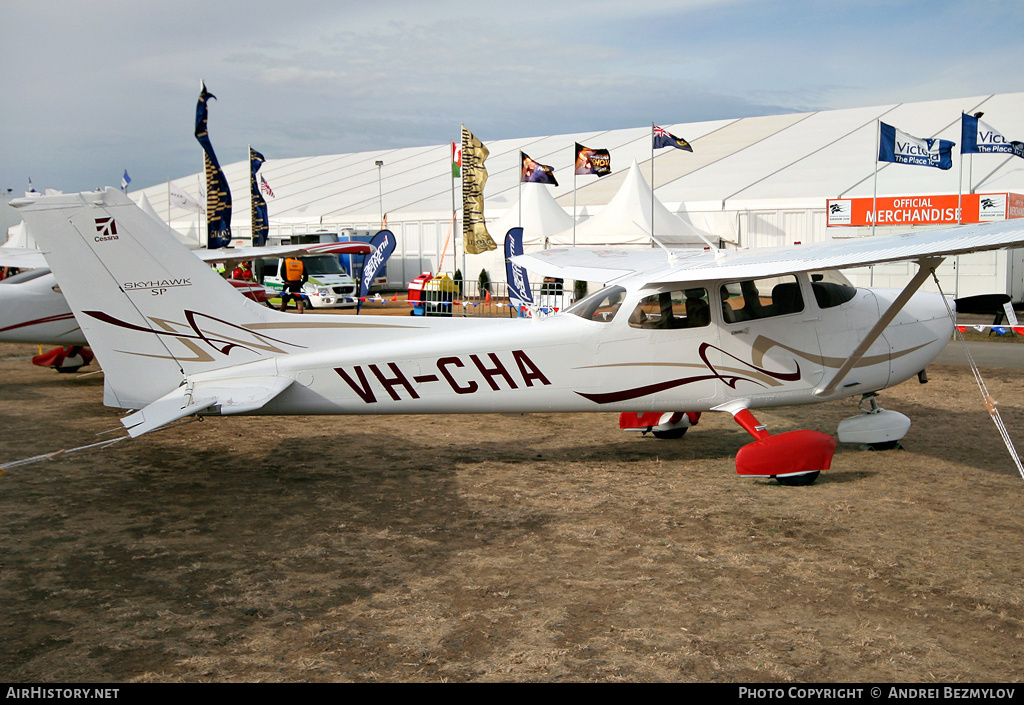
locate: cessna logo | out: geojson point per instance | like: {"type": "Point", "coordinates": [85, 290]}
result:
{"type": "Point", "coordinates": [462, 377]}
{"type": "Point", "coordinates": [106, 228]}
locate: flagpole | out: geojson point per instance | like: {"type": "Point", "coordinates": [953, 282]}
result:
{"type": "Point", "coordinates": [252, 202]}
{"type": "Point", "coordinates": [874, 194]}
{"type": "Point", "coordinates": [959, 208]}
{"type": "Point", "coordinates": [960, 181]}
{"type": "Point", "coordinates": [652, 182]}
{"type": "Point", "coordinates": [462, 183]}
{"type": "Point", "coordinates": [520, 189]}
{"type": "Point", "coordinates": [455, 220]}
{"type": "Point", "coordinates": [574, 156]}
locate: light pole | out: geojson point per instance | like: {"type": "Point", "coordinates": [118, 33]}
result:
{"type": "Point", "coordinates": [380, 192]}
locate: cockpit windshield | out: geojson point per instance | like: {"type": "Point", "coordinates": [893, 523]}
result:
{"type": "Point", "coordinates": [601, 306]}
{"type": "Point", "coordinates": [323, 264]}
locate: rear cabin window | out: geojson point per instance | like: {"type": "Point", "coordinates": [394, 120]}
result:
{"type": "Point", "coordinates": [672, 309]}
{"type": "Point", "coordinates": [761, 298]}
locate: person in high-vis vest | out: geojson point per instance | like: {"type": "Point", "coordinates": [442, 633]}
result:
{"type": "Point", "coordinates": [293, 273]}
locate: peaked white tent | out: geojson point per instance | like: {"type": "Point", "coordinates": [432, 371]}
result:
{"type": "Point", "coordinates": [630, 218]}
{"type": "Point", "coordinates": [536, 212]}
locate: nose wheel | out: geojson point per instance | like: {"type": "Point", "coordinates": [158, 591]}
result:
{"type": "Point", "coordinates": [875, 428]}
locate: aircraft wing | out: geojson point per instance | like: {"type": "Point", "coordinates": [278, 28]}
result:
{"type": "Point", "coordinates": [231, 396]}
{"type": "Point", "coordinates": [693, 265]}
{"type": "Point", "coordinates": [21, 257]}
{"type": "Point", "coordinates": [250, 253]}
{"type": "Point", "coordinates": [31, 259]}
{"type": "Point", "coordinates": [597, 265]}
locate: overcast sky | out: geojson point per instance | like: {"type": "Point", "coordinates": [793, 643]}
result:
{"type": "Point", "coordinates": [90, 89]}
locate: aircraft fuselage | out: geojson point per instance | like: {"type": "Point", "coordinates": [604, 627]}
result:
{"type": "Point", "coordinates": [606, 359]}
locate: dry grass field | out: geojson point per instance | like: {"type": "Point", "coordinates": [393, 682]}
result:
{"type": "Point", "coordinates": [545, 547]}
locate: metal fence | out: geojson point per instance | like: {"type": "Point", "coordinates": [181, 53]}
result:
{"type": "Point", "coordinates": [493, 302]}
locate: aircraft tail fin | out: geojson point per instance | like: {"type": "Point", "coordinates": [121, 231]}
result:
{"type": "Point", "coordinates": [135, 292]}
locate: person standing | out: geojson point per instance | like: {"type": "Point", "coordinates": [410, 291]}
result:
{"type": "Point", "coordinates": [294, 275]}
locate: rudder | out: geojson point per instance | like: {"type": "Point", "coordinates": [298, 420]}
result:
{"type": "Point", "coordinates": [135, 291]}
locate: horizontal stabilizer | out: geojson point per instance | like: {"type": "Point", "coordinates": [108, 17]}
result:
{"type": "Point", "coordinates": [228, 396]}
{"type": "Point", "coordinates": [21, 258]}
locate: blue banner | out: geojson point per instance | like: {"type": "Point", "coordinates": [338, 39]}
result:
{"type": "Point", "coordinates": [519, 293]}
{"type": "Point", "coordinates": [260, 215]}
{"type": "Point", "coordinates": [978, 137]}
{"type": "Point", "coordinates": [384, 244]}
{"type": "Point", "coordinates": [900, 148]}
{"type": "Point", "coordinates": [218, 195]}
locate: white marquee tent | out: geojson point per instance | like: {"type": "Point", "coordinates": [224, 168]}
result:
{"type": "Point", "coordinates": [759, 181]}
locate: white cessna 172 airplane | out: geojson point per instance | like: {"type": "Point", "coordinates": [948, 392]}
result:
{"type": "Point", "coordinates": [691, 331]}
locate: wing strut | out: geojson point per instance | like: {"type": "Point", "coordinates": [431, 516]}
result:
{"type": "Point", "coordinates": [925, 268]}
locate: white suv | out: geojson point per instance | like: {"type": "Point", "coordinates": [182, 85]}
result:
{"type": "Point", "coordinates": [329, 285]}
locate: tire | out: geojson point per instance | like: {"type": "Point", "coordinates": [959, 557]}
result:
{"type": "Point", "coordinates": [884, 445]}
{"type": "Point", "coordinates": [671, 433]}
{"type": "Point", "coordinates": [799, 480]}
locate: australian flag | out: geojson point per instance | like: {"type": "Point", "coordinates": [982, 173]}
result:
{"type": "Point", "coordinates": [663, 138]}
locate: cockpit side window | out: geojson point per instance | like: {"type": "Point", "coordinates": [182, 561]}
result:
{"type": "Point", "coordinates": [672, 309]}
{"type": "Point", "coordinates": [601, 306]}
{"type": "Point", "coordinates": [761, 298]}
{"type": "Point", "coordinates": [831, 288]}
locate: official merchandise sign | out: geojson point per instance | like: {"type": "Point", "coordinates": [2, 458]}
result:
{"type": "Point", "coordinates": [924, 210]}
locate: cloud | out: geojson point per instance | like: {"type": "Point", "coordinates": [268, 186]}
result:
{"type": "Point", "coordinates": [120, 85]}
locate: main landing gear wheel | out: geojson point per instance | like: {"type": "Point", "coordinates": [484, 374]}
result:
{"type": "Point", "coordinates": [884, 445]}
{"type": "Point", "coordinates": [798, 480]}
{"type": "Point", "coordinates": [671, 433]}
{"type": "Point", "coordinates": [793, 458]}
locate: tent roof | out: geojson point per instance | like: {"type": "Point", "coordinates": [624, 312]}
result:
{"type": "Point", "coordinates": [540, 217]}
{"type": "Point", "coordinates": [627, 219]}
{"type": "Point", "coordinates": [758, 160]}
